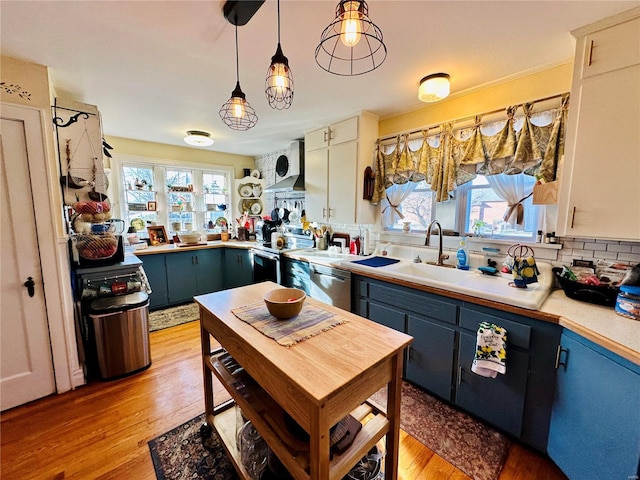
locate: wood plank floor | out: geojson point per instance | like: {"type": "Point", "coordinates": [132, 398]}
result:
{"type": "Point", "coordinates": [101, 430]}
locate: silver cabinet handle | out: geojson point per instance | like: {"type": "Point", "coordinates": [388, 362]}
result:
{"type": "Point", "coordinates": [558, 354]}
{"type": "Point", "coordinates": [459, 376]}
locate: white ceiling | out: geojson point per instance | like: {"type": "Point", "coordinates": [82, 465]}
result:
{"type": "Point", "coordinates": [156, 69]}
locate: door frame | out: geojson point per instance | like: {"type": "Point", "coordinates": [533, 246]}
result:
{"type": "Point", "coordinates": [52, 241]}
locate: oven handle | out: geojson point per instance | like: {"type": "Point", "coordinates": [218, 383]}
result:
{"type": "Point", "coordinates": [268, 255]}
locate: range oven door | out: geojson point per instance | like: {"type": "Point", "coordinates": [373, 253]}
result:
{"type": "Point", "coordinates": [266, 266]}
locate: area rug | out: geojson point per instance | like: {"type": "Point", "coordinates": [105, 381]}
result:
{"type": "Point", "coordinates": [172, 316]}
{"type": "Point", "coordinates": [466, 443]}
{"type": "Point", "coordinates": [185, 453]}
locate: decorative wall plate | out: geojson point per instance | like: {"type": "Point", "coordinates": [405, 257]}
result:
{"type": "Point", "coordinates": [245, 190]}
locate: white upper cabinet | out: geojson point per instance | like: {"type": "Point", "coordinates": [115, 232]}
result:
{"type": "Point", "coordinates": [335, 159]}
{"type": "Point", "coordinates": [600, 178]}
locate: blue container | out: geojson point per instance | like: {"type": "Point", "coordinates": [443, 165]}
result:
{"type": "Point", "coordinates": [628, 302]}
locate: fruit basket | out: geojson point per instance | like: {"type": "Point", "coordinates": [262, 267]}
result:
{"type": "Point", "coordinates": [96, 246]}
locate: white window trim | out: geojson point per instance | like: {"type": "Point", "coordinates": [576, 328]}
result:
{"type": "Point", "coordinates": [160, 165]}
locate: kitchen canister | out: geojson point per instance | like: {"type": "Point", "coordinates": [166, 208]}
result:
{"type": "Point", "coordinates": [628, 302]}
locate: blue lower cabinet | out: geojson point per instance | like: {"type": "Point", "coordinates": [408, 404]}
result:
{"type": "Point", "coordinates": [238, 268]}
{"type": "Point", "coordinates": [210, 270]}
{"type": "Point", "coordinates": [295, 274]}
{"type": "Point", "coordinates": [181, 277]}
{"type": "Point", "coordinates": [501, 400]}
{"type": "Point", "coordinates": [595, 422]}
{"type": "Point", "coordinates": [444, 342]}
{"type": "Point", "coordinates": [429, 361]}
{"type": "Point", "coordinates": [156, 272]}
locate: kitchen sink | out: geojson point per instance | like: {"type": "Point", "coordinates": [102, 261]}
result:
{"type": "Point", "coordinates": [429, 272]}
{"type": "Point", "coordinates": [469, 282]}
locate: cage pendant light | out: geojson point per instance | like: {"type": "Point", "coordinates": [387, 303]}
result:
{"type": "Point", "coordinates": [279, 82]}
{"type": "Point", "coordinates": [352, 44]}
{"type": "Point", "coordinates": [237, 113]}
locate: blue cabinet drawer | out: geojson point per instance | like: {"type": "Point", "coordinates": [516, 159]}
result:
{"type": "Point", "coordinates": [419, 302]}
{"type": "Point", "coordinates": [387, 316]}
{"type": "Point", "coordinates": [518, 334]}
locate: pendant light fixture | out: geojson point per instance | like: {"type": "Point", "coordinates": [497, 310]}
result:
{"type": "Point", "coordinates": [237, 113]}
{"type": "Point", "coordinates": [352, 44]}
{"type": "Point", "coordinates": [198, 138]}
{"type": "Point", "coordinates": [434, 87]}
{"type": "Point", "coordinates": [279, 82]}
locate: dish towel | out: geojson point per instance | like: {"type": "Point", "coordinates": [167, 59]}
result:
{"type": "Point", "coordinates": [491, 351]}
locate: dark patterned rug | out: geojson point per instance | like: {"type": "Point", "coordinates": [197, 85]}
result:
{"type": "Point", "coordinates": [172, 316]}
{"type": "Point", "coordinates": [187, 453]}
{"type": "Point", "coordinates": [466, 443]}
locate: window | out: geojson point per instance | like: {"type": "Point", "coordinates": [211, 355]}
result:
{"type": "Point", "coordinates": [475, 209]}
{"type": "Point", "coordinates": [176, 197]}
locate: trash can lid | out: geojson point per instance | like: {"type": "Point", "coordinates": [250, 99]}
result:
{"type": "Point", "coordinates": [119, 303]}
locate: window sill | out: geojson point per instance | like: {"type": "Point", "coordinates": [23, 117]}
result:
{"type": "Point", "coordinates": [496, 241]}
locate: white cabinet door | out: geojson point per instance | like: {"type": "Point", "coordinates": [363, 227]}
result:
{"type": "Point", "coordinates": [604, 175]}
{"type": "Point", "coordinates": [342, 182]}
{"type": "Point", "coordinates": [316, 139]}
{"type": "Point", "coordinates": [315, 184]}
{"type": "Point", "coordinates": [344, 131]}
{"type": "Point", "coordinates": [606, 49]}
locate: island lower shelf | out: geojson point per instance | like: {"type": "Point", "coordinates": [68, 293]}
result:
{"type": "Point", "coordinates": [267, 417]}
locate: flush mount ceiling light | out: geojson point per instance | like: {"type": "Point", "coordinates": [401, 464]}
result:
{"type": "Point", "coordinates": [198, 138]}
{"type": "Point", "coordinates": [237, 113]}
{"type": "Point", "coordinates": [434, 88]}
{"type": "Point", "coordinates": [279, 83]}
{"type": "Point", "coordinates": [352, 44]}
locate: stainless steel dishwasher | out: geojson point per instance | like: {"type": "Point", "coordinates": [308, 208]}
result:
{"type": "Point", "coordinates": [330, 285]}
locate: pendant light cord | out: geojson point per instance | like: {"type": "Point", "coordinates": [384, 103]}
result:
{"type": "Point", "coordinates": [237, 58]}
{"type": "Point", "coordinates": [278, 22]}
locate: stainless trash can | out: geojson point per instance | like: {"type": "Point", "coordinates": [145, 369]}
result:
{"type": "Point", "coordinates": [121, 330]}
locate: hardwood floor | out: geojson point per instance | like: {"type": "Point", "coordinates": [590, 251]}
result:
{"type": "Point", "coordinates": [101, 430]}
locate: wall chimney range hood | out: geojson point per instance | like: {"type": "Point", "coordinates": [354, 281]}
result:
{"type": "Point", "coordinates": [294, 165]}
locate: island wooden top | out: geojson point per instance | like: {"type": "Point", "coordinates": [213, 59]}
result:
{"type": "Point", "coordinates": [319, 366]}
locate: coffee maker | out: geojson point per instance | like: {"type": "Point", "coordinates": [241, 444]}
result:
{"type": "Point", "coordinates": [264, 229]}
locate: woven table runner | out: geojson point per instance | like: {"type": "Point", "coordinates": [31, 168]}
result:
{"type": "Point", "coordinates": [310, 321]}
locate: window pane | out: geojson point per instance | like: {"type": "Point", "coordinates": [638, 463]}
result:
{"type": "Point", "coordinates": [416, 208]}
{"type": "Point", "coordinates": [486, 206]}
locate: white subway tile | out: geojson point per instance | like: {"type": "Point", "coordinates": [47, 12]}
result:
{"type": "Point", "coordinates": [619, 248]}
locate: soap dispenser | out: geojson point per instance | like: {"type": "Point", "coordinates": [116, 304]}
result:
{"type": "Point", "coordinates": [463, 255]}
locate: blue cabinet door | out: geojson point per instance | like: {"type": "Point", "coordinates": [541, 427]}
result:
{"type": "Point", "coordinates": [209, 270]}
{"type": "Point", "coordinates": [238, 268]}
{"type": "Point", "coordinates": [430, 360]}
{"type": "Point", "coordinates": [500, 401]}
{"type": "Point", "coordinates": [156, 272]}
{"type": "Point", "coordinates": [181, 277]}
{"type": "Point", "coordinates": [595, 421]}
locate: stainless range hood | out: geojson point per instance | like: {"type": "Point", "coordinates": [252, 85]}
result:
{"type": "Point", "coordinates": [295, 181]}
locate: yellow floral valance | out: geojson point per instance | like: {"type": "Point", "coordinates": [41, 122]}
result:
{"type": "Point", "coordinates": [445, 160]}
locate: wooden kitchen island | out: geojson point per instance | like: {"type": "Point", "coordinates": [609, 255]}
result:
{"type": "Point", "coordinates": [318, 382]}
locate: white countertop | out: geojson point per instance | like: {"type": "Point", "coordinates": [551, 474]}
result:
{"type": "Point", "coordinates": [599, 324]}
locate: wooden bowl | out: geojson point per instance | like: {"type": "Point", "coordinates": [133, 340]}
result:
{"type": "Point", "coordinates": [284, 303]}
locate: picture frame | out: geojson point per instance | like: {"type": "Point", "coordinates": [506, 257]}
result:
{"type": "Point", "coordinates": [152, 206]}
{"type": "Point", "coordinates": [157, 235]}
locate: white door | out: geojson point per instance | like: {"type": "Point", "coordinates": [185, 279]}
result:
{"type": "Point", "coordinates": [26, 368]}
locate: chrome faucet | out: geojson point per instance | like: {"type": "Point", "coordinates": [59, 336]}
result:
{"type": "Point", "coordinates": [427, 241]}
